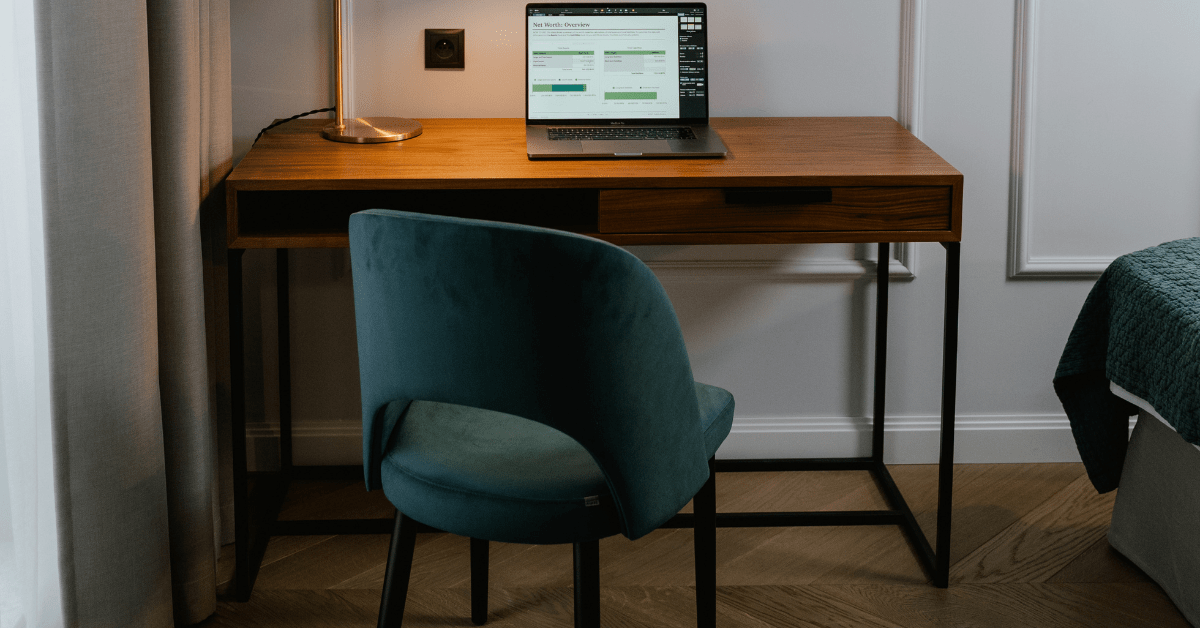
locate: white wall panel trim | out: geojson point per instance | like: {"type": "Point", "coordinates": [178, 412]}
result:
{"type": "Point", "coordinates": [982, 439]}
{"type": "Point", "coordinates": [912, 93]}
{"type": "Point", "coordinates": [912, 64]}
{"type": "Point", "coordinates": [1021, 261]}
{"type": "Point", "coordinates": [906, 258]}
{"type": "Point", "coordinates": [1021, 148]}
{"type": "Point", "coordinates": [1049, 267]}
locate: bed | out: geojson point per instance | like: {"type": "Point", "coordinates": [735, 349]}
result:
{"type": "Point", "coordinates": [1135, 350]}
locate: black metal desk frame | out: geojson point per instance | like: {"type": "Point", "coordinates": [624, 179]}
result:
{"type": "Point", "coordinates": [256, 521]}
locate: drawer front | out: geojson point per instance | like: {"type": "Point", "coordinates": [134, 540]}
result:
{"type": "Point", "coordinates": [903, 208]}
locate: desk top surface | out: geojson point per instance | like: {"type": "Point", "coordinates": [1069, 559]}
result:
{"type": "Point", "coordinates": [490, 154]}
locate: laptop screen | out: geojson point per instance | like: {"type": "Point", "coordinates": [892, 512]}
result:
{"type": "Point", "coordinates": [634, 62]}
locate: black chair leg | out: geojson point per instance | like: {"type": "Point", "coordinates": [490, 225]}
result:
{"type": "Point", "coordinates": [587, 584]}
{"type": "Point", "coordinates": [399, 567]}
{"type": "Point", "coordinates": [704, 508]}
{"type": "Point", "coordinates": [479, 581]}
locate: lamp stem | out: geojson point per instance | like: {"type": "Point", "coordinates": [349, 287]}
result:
{"type": "Point", "coordinates": [337, 63]}
{"type": "Point", "coordinates": [360, 130]}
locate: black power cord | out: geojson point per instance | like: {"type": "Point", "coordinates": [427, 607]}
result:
{"type": "Point", "coordinates": [299, 115]}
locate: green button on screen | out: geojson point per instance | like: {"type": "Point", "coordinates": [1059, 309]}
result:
{"type": "Point", "coordinates": [630, 95]}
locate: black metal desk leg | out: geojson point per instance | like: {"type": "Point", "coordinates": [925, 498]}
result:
{"type": "Point", "coordinates": [949, 382]}
{"type": "Point", "coordinates": [253, 518]}
{"type": "Point", "coordinates": [282, 306]}
{"type": "Point", "coordinates": [881, 316]}
{"type": "Point", "coordinates": [243, 575]}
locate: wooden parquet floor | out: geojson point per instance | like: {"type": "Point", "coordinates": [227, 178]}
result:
{"type": "Point", "coordinates": [1028, 550]}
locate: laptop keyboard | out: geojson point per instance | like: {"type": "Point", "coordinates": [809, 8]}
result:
{"type": "Point", "coordinates": [621, 133]}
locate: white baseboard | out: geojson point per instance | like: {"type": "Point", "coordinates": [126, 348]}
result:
{"type": "Point", "coordinates": [768, 271]}
{"type": "Point", "coordinates": [315, 443]}
{"type": "Point", "coordinates": [908, 440]}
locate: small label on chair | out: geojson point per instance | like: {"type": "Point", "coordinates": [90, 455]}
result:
{"type": "Point", "coordinates": [593, 500]}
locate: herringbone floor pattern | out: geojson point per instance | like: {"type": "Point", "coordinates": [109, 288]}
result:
{"type": "Point", "coordinates": [1028, 549]}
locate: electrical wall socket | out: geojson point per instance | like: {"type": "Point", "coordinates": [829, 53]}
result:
{"type": "Point", "coordinates": [444, 48]}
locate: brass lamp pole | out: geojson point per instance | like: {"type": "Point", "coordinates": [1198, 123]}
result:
{"type": "Point", "coordinates": [361, 130]}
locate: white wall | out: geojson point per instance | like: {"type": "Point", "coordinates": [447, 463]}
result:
{"type": "Point", "coordinates": [1076, 125]}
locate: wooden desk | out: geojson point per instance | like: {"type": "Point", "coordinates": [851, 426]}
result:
{"type": "Point", "coordinates": [786, 180]}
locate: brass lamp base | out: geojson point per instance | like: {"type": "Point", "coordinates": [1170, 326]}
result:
{"type": "Point", "coordinates": [372, 130]}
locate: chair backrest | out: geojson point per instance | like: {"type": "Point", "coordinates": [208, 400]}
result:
{"type": "Point", "coordinates": [562, 329]}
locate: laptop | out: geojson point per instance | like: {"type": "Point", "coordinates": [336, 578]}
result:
{"type": "Point", "coordinates": [617, 80]}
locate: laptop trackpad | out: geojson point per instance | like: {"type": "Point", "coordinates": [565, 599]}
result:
{"type": "Point", "coordinates": [632, 147]}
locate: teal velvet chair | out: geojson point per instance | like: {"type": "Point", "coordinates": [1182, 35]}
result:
{"type": "Point", "coordinates": [526, 385]}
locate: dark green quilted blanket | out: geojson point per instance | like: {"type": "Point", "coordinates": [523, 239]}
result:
{"type": "Point", "coordinates": [1139, 328]}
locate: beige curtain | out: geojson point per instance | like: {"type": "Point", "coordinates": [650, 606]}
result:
{"type": "Point", "coordinates": [136, 139]}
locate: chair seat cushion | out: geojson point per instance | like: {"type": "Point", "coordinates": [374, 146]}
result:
{"type": "Point", "coordinates": [500, 477]}
{"type": "Point", "coordinates": [495, 476]}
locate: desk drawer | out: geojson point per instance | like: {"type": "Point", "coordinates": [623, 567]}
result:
{"type": "Point", "coordinates": [902, 208]}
